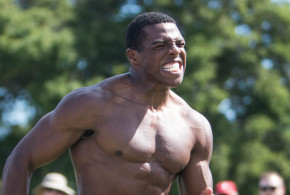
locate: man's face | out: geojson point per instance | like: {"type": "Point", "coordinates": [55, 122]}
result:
{"type": "Point", "coordinates": [163, 56]}
{"type": "Point", "coordinates": [271, 186]}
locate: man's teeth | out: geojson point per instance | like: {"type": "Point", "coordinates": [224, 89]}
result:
{"type": "Point", "coordinates": [171, 67]}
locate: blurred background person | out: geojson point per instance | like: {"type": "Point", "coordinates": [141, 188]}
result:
{"type": "Point", "coordinates": [53, 184]}
{"type": "Point", "coordinates": [271, 183]}
{"type": "Point", "coordinates": [226, 188]}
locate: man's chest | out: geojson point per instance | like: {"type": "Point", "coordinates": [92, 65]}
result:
{"type": "Point", "coordinates": [146, 137]}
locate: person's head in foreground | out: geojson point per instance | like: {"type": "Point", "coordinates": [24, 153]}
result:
{"type": "Point", "coordinates": [226, 188]}
{"type": "Point", "coordinates": [54, 184]}
{"type": "Point", "coordinates": [271, 183]}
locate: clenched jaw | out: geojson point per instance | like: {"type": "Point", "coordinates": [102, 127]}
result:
{"type": "Point", "coordinates": [173, 67]}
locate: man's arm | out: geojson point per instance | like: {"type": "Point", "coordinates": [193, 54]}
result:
{"type": "Point", "coordinates": [196, 178]}
{"type": "Point", "coordinates": [50, 137]}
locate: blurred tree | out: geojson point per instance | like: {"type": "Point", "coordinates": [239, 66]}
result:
{"type": "Point", "coordinates": [236, 58]}
{"type": "Point", "coordinates": [36, 47]}
{"type": "Point", "coordinates": [237, 71]}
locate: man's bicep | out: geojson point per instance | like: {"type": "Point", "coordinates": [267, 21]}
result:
{"type": "Point", "coordinates": [195, 178]}
{"type": "Point", "coordinates": [45, 142]}
{"type": "Point", "coordinates": [59, 129]}
{"type": "Point", "coordinates": [197, 175]}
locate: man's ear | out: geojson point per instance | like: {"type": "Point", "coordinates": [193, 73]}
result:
{"type": "Point", "coordinates": [133, 56]}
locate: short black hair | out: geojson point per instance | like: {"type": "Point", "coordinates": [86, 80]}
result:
{"type": "Point", "coordinates": [135, 34]}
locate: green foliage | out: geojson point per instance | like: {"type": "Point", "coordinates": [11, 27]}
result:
{"type": "Point", "coordinates": [236, 51]}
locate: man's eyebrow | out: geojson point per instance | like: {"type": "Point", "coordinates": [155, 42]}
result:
{"type": "Point", "coordinates": [157, 41]}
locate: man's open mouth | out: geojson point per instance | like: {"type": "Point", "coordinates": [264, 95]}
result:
{"type": "Point", "coordinates": [172, 67]}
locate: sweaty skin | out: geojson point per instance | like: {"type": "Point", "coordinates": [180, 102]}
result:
{"type": "Point", "coordinates": [129, 134]}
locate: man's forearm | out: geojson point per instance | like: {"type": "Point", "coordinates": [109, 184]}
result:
{"type": "Point", "coordinates": [16, 177]}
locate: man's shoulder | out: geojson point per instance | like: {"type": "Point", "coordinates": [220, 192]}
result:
{"type": "Point", "coordinates": [98, 92]}
{"type": "Point", "coordinates": [85, 94]}
{"type": "Point", "coordinates": [180, 102]}
{"type": "Point", "coordinates": [191, 114]}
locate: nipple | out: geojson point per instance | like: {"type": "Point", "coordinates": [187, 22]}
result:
{"type": "Point", "coordinates": [119, 153]}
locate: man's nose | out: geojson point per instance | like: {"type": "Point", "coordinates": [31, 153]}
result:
{"type": "Point", "coordinates": [174, 50]}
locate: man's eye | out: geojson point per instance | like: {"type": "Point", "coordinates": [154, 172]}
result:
{"type": "Point", "coordinates": [180, 44]}
{"type": "Point", "coordinates": [159, 46]}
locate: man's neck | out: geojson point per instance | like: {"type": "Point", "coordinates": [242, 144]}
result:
{"type": "Point", "coordinates": [154, 94]}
